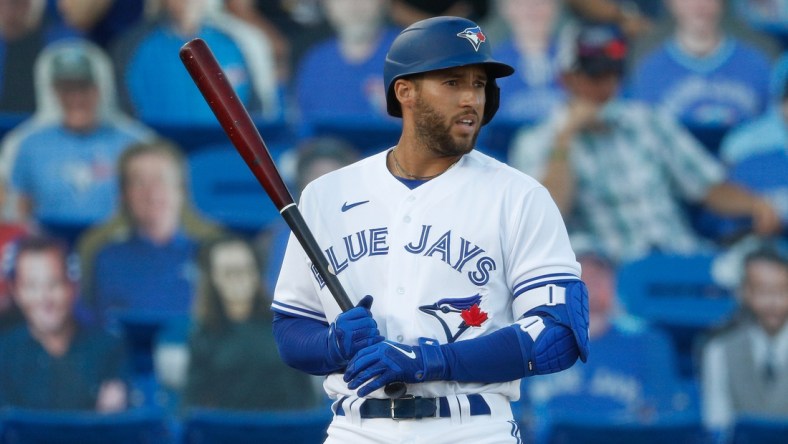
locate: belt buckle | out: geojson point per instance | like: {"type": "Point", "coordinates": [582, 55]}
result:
{"type": "Point", "coordinates": [393, 413]}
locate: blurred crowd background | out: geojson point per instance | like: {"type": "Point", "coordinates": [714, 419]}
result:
{"type": "Point", "coordinates": [139, 255]}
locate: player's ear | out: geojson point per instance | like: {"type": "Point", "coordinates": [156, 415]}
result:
{"type": "Point", "coordinates": [405, 92]}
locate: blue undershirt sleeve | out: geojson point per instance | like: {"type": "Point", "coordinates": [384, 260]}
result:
{"type": "Point", "coordinates": [303, 344]}
{"type": "Point", "coordinates": [496, 357]}
{"type": "Point", "coordinates": [492, 358]}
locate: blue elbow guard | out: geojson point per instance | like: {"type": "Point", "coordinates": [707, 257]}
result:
{"type": "Point", "coordinates": [547, 346]}
{"type": "Point", "coordinates": [554, 334]}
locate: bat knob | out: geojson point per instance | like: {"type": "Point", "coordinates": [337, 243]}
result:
{"type": "Point", "coordinates": [395, 389]}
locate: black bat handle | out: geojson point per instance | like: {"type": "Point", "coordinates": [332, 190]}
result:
{"type": "Point", "coordinates": [297, 224]}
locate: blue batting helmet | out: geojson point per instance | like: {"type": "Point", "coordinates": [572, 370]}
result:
{"type": "Point", "coordinates": [439, 43]}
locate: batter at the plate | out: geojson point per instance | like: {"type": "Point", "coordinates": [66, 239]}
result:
{"type": "Point", "coordinates": [474, 282]}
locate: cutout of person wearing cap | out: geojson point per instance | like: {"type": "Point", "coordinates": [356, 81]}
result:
{"type": "Point", "coordinates": [619, 171]}
{"type": "Point", "coordinates": [60, 163]}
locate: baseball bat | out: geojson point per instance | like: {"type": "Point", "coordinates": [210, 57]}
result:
{"type": "Point", "coordinates": [232, 115]}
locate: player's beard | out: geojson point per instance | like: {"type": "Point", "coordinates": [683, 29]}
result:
{"type": "Point", "coordinates": [434, 133]}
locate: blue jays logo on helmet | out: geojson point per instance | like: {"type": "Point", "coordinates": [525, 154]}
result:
{"type": "Point", "coordinates": [473, 35]}
{"type": "Point", "coordinates": [457, 314]}
{"type": "Point", "coordinates": [438, 43]}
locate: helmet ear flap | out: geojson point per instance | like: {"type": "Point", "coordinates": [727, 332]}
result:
{"type": "Point", "coordinates": [392, 104]}
{"type": "Point", "coordinates": [492, 101]}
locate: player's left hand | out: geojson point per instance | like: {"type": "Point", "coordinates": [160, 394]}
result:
{"type": "Point", "coordinates": [375, 366]}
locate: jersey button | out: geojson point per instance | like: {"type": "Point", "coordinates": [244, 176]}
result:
{"type": "Point", "coordinates": [406, 219]}
{"type": "Point", "coordinates": [400, 338]}
{"type": "Point", "coordinates": [400, 290]}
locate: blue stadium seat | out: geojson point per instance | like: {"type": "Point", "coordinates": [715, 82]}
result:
{"type": "Point", "coordinates": [588, 432]}
{"type": "Point", "coordinates": [224, 189]}
{"type": "Point", "coordinates": [139, 329]}
{"type": "Point", "coordinates": [496, 137]}
{"type": "Point", "coordinates": [754, 430]}
{"type": "Point", "coordinates": [9, 121]}
{"type": "Point", "coordinates": [195, 137]}
{"type": "Point", "coordinates": [368, 137]}
{"type": "Point", "coordinates": [68, 231]}
{"type": "Point", "coordinates": [228, 427]}
{"type": "Point", "coordinates": [44, 427]}
{"type": "Point", "coordinates": [710, 136]}
{"type": "Point", "coordinates": [678, 294]}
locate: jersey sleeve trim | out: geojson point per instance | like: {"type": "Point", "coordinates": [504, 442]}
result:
{"type": "Point", "coordinates": [292, 310]}
{"type": "Point", "coordinates": [540, 281]}
{"type": "Point", "coordinates": [548, 295]}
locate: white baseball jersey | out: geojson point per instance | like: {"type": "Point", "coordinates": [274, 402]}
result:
{"type": "Point", "coordinates": [451, 260]}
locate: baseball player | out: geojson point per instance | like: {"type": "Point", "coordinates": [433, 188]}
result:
{"type": "Point", "coordinates": [474, 283]}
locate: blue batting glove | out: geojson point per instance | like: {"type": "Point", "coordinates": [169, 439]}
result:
{"type": "Point", "coordinates": [351, 331]}
{"type": "Point", "coordinates": [384, 362]}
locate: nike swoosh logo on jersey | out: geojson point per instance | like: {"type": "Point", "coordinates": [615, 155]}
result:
{"type": "Point", "coordinates": [346, 206]}
{"type": "Point", "coordinates": [411, 354]}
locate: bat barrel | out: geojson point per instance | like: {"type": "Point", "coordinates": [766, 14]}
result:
{"type": "Point", "coordinates": [233, 117]}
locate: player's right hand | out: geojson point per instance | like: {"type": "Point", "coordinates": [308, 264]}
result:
{"type": "Point", "coordinates": [351, 331]}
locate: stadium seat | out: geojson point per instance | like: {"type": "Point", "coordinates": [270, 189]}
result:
{"type": "Point", "coordinates": [68, 231]}
{"type": "Point", "coordinates": [224, 189]}
{"type": "Point", "coordinates": [195, 137]}
{"type": "Point", "coordinates": [368, 137]}
{"type": "Point", "coordinates": [45, 427]}
{"type": "Point", "coordinates": [710, 136]}
{"type": "Point", "coordinates": [676, 293]}
{"type": "Point", "coordinates": [9, 121]}
{"type": "Point", "coordinates": [587, 432]}
{"type": "Point", "coordinates": [753, 430]}
{"type": "Point", "coordinates": [140, 329]}
{"type": "Point", "coordinates": [228, 427]}
{"type": "Point", "coordinates": [496, 138]}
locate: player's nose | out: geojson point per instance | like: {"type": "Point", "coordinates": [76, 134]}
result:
{"type": "Point", "coordinates": [470, 96]}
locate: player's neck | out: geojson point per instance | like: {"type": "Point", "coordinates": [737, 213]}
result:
{"type": "Point", "coordinates": [414, 164]}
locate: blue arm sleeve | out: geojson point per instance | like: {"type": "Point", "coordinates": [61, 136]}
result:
{"type": "Point", "coordinates": [496, 357]}
{"type": "Point", "coordinates": [303, 344]}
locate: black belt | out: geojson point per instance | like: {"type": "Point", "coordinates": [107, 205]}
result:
{"type": "Point", "coordinates": [414, 407]}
